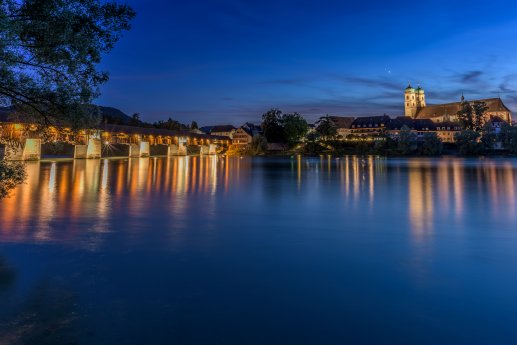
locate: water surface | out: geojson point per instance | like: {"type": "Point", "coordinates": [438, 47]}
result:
{"type": "Point", "coordinates": [209, 250]}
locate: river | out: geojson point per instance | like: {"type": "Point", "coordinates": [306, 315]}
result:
{"type": "Point", "coordinates": [217, 250]}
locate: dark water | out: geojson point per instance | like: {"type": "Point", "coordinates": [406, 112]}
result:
{"type": "Point", "coordinates": [261, 251]}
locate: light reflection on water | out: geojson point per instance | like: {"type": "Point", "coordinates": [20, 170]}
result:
{"type": "Point", "coordinates": [96, 189]}
{"type": "Point", "coordinates": [226, 245]}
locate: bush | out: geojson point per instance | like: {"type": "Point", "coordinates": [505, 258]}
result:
{"type": "Point", "coordinates": [11, 175]}
{"type": "Point", "coordinates": [508, 137]}
{"type": "Point", "coordinates": [258, 146]}
{"type": "Point", "coordinates": [468, 142]}
{"type": "Point", "coordinates": [431, 144]}
{"type": "Point", "coordinates": [406, 141]}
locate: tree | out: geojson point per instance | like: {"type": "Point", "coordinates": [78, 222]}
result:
{"type": "Point", "coordinates": [406, 141]}
{"type": "Point", "coordinates": [431, 144]}
{"type": "Point", "coordinates": [170, 124]}
{"type": "Point", "coordinates": [508, 137]}
{"type": "Point", "coordinates": [135, 120]}
{"type": "Point", "coordinates": [326, 128]}
{"type": "Point", "coordinates": [295, 128]}
{"type": "Point", "coordinates": [468, 142]}
{"type": "Point", "coordinates": [465, 116]}
{"type": "Point", "coordinates": [49, 53]}
{"type": "Point", "coordinates": [11, 174]}
{"type": "Point", "coordinates": [194, 125]}
{"type": "Point", "coordinates": [472, 115]}
{"type": "Point", "coordinates": [489, 137]}
{"type": "Point", "coordinates": [258, 145]}
{"type": "Point", "coordinates": [479, 110]}
{"type": "Point", "coordinates": [272, 126]}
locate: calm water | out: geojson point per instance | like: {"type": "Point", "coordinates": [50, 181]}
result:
{"type": "Point", "coordinates": [261, 251]}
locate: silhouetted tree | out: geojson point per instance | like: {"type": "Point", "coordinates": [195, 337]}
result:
{"type": "Point", "coordinates": [49, 53]}
{"type": "Point", "coordinates": [508, 136]}
{"type": "Point", "coordinates": [272, 126]}
{"type": "Point", "coordinates": [295, 128]}
{"type": "Point", "coordinates": [135, 120]}
{"type": "Point", "coordinates": [258, 145]}
{"type": "Point", "coordinates": [170, 124]}
{"type": "Point", "coordinates": [11, 174]}
{"type": "Point", "coordinates": [326, 128]}
{"type": "Point", "coordinates": [472, 115]}
{"type": "Point", "coordinates": [468, 142]}
{"type": "Point", "coordinates": [406, 141]}
{"type": "Point", "coordinates": [431, 144]}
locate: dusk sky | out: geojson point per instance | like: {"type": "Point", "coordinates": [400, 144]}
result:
{"type": "Point", "coordinates": [229, 61]}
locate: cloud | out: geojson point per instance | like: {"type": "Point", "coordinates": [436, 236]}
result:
{"type": "Point", "coordinates": [470, 76]}
{"type": "Point", "coordinates": [506, 85]}
{"type": "Point", "coordinates": [371, 82]}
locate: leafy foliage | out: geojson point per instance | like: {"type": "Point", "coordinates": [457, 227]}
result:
{"type": "Point", "coordinates": [326, 128]}
{"type": "Point", "coordinates": [468, 142]}
{"type": "Point", "coordinates": [49, 51]}
{"type": "Point", "coordinates": [258, 146]}
{"type": "Point", "coordinates": [508, 137]}
{"type": "Point", "coordinates": [272, 125]}
{"type": "Point", "coordinates": [11, 174]}
{"type": "Point", "coordinates": [295, 128]}
{"type": "Point", "coordinates": [489, 137]}
{"type": "Point", "coordinates": [472, 115]}
{"type": "Point", "coordinates": [406, 141]}
{"type": "Point", "coordinates": [170, 124]}
{"type": "Point", "coordinates": [431, 144]}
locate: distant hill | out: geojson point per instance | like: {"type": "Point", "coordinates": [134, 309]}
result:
{"type": "Point", "coordinates": [114, 116]}
{"type": "Point", "coordinates": [4, 113]}
{"type": "Point", "coordinates": [110, 115]}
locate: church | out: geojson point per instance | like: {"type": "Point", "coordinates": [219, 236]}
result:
{"type": "Point", "coordinates": [415, 107]}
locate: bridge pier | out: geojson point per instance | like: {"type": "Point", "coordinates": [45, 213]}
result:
{"type": "Point", "coordinates": [172, 150]}
{"type": "Point", "coordinates": [182, 149]}
{"type": "Point", "coordinates": [32, 150]}
{"type": "Point", "coordinates": [29, 151]}
{"type": "Point", "coordinates": [204, 150]}
{"type": "Point", "coordinates": [134, 150]}
{"type": "Point", "coordinates": [80, 151]}
{"type": "Point", "coordinates": [144, 149]}
{"type": "Point", "coordinates": [94, 148]}
{"type": "Point", "coordinates": [139, 150]}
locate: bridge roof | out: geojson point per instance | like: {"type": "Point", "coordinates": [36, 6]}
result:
{"type": "Point", "coordinates": [156, 132]}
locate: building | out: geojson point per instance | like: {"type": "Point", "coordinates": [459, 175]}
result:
{"type": "Point", "coordinates": [415, 107]}
{"type": "Point", "coordinates": [220, 130]}
{"type": "Point", "coordinates": [375, 125]}
{"type": "Point", "coordinates": [446, 130]}
{"type": "Point", "coordinates": [244, 134]}
{"type": "Point", "coordinates": [369, 125]}
{"type": "Point", "coordinates": [343, 124]}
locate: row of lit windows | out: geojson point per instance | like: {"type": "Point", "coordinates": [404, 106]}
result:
{"type": "Point", "coordinates": [369, 125]}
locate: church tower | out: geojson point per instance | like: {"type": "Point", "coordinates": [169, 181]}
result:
{"type": "Point", "coordinates": [420, 97]}
{"type": "Point", "coordinates": [414, 101]}
{"type": "Point", "coordinates": [410, 100]}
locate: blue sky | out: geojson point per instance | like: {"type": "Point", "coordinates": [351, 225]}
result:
{"type": "Point", "coordinates": [229, 61]}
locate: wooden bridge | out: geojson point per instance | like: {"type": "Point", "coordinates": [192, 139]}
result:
{"type": "Point", "coordinates": [24, 141]}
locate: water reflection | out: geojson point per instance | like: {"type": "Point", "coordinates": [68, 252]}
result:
{"type": "Point", "coordinates": [72, 193]}
{"type": "Point", "coordinates": [69, 190]}
{"type": "Point", "coordinates": [195, 243]}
